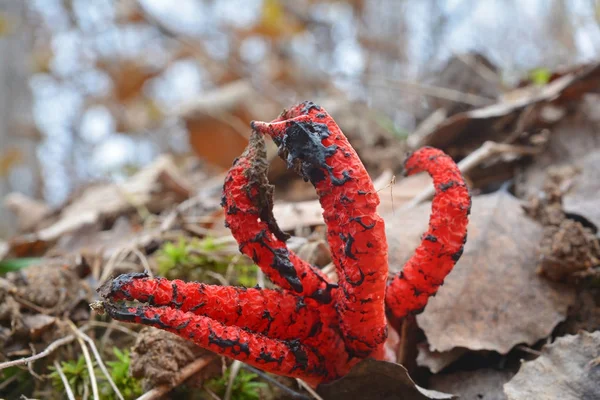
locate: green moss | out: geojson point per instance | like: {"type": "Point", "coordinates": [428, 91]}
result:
{"type": "Point", "coordinates": [245, 385]}
{"type": "Point", "coordinates": [192, 259]}
{"type": "Point", "coordinates": [77, 375]}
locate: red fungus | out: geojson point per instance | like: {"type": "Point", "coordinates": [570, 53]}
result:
{"type": "Point", "coordinates": [312, 328]}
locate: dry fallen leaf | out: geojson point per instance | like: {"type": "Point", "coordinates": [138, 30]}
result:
{"type": "Point", "coordinates": [372, 379]}
{"type": "Point", "coordinates": [96, 202]}
{"type": "Point", "coordinates": [568, 369]}
{"type": "Point", "coordinates": [571, 86]}
{"type": "Point", "coordinates": [481, 384]}
{"type": "Point", "coordinates": [293, 215]}
{"type": "Point", "coordinates": [570, 141]}
{"type": "Point", "coordinates": [493, 299]}
{"type": "Point", "coordinates": [436, 360]}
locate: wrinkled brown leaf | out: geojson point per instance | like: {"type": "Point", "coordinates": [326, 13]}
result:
{"type": "Point", "coordinates": [568, 369]}
{"type": "Point", "coordinates": [309, 213]}
{"type": "Point", "coordinates": [570, 141]}
{"type": "Point", "coordinates": [371, 379]}
{"type": "Point", "coordinates": [481, 384]}
{"type": "Point", "coordinates": [28, 211]}
{"type": "Point", "coordinates": [571, 86]}
{"type": "Point", "coordinates": [493, 299]}
{"type": "Point", "coordinates": [141, 190]}
{"type": "Point", "coordinates": [583, 199]}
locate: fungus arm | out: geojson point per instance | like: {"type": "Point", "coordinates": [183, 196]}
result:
{"type": "Point", "coordinates": [442, 244]}
{"type": "Point", "coordinates": [313, 145]}
{"type": "Point", "coordinates": [248, 203]}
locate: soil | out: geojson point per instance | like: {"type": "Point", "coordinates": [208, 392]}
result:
{"type": "Point", "coordinates": [158, 356]}
{"type": "Point", "coordinates": [568, 250]}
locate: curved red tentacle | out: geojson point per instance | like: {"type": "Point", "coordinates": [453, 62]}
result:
{"type": "Point", "coordinates": [274, 313]}
{"type": "Point", "coordinates": [442, 244]}
{"type": "Point", "coordinates": [313, 144]}
{"type": "Point", "coordinates": [294, 358]}
{"type": "Point", "coordinates": [248, 203]}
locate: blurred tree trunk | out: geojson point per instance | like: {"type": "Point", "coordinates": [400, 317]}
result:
{"type": "Point", "coordinates": [18, 163]}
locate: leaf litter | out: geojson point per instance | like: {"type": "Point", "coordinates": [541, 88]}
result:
{"type": "Point", "coordinates": [494, 301]}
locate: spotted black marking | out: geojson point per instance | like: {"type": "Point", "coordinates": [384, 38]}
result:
{"type": "Point", "coordinates": [324, 296]}
{"type": "Point", "coordinates": [362, 192]}
{"type": "Point", "coordinates": [456, 256]}
{"type": "Point", "coordinates": [340, 181]}
{"type": "Point", "coordinates": [197, 306]}
{"type": "Point", "coordinates": [300, 304]}
{"type": "Point", "coordinates": [431, 238]}
{"type": "Point", "coordinates": [266, 315]}
{"type": "Point", "coordinates": [182, 326]}
{"type": "Point", "coordinates": [281, 262]}
{"type": "Point", "coordinates": [305, 152]}
{"type": "Point", "coordinates": [309, 105]}
{"type": "Point", "coordinates": [299, 354]}
{"type": "Point", "coordinates": [232, 210]}
{"type": "Point", "coordinates": [447, 185]}
{"type": "Point", "coordinates": [345, 199]}
{"type": "Point", "coordinates": [117, 284]}
{"type": "Point", "coordinates": [174, 296]}
{"type": "Point", "coordinates": [320, 115]}
{"type": "Point", "coordinates": [315, 329]}
{"type": "Point", "coordinates": [235, 345]}
{"type": "Point", "coordinates": [255, 256]}
{"type": "Point", "coordinates": [268, 357]}
{"type": "Point", "coordinates": [358, 282]}
{"type": "Point", "coordinates": [349, 241]}
{"type": "Point", "coordinates": [359, 221]}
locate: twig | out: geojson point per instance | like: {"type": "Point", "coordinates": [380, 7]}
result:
{"type": "Point", "coordinates": [51, 347]}
{"type": "Point", "coordinates": [30, 365]}
{"type": "Point", "coordinates": [184, 374]}
{"type": "Point", "coordinates": [212, 394]}
{"type": "Point", "coordinates": [144, 261]}
{"type": "Point", "coordinates": [113, 325]}
{"type": "Point", "coordinates": [529, 350]}
{"type": "Point", "coordinates": [434, 91]}
{"type": "Point", "coordinates": [487, 150]}
{"type": "Point", "coordinates": [291, 392]}
{"type": "Point", "coordinates": [64, 380]}
{"type": "Point", "coordinates": [234, 370]}
{"type": "Point", "coordinates": [88, 361]}
{"type": "Point", "coordinates": [8, 381]}
{"type": "Point", "coordinates": [99, 361]}
{"type": "Point", "coordinates": [310, 390]}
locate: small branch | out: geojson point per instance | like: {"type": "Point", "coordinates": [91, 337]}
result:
{"type": "Point", "coordinates": [51, 347]}
{"type": "Point", "coordinates": [64, 380]}
{"type": "Point", "coordinates": [234, 370]}
{"type": "Point", "coordinates": [292, 393]}
{"type": "Point", "coordinates": [310, 390]}
{"type": "Point", "coordinates": [184, 374]}
{"type": "Point", "coordinates": [88, 361]}
{"type": "Point", "coordinates": [487, 150]}
{"type": "Point", "coordinates": [100, 362]}
{"type": "Point", "coordinates": [433, 91]}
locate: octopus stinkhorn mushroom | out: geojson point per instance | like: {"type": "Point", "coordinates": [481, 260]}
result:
{"type": "Point", "coordinates": [311, 328]}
